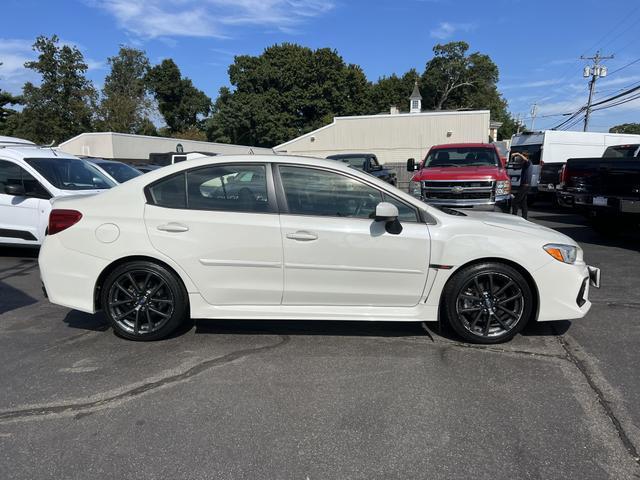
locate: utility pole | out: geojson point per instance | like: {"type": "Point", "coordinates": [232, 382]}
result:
{"type": "Point", "coordinates": [595, 71]}
{"type": "Point", "coordinates": [534, 112]}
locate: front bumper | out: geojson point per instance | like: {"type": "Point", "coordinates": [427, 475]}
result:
{"type": "Point", "coordinates": [498, 200]}
{"type": "Point", "coordinates": [564, 290]}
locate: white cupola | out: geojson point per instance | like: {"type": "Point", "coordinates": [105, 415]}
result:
{"type": "Point", "coordinates": [415, 105]}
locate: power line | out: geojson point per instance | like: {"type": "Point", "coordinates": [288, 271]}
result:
{"type": "Point", "coordinates": [625, 66]}
{"type": "Point", "coordinates": [596, 71]}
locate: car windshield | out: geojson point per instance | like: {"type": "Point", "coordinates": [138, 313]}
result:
{"type": "Point", "coordinates": [70, 173]}
{"type": "Point", "coordinates": [533, 151]}
{"type": "Point", "coordinates": [121, 172]}
{"type": "Point", "coordinates": [461, 157]}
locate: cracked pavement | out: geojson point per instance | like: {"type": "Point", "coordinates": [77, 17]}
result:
{"type": "Point", "coordinates": [323, 400]}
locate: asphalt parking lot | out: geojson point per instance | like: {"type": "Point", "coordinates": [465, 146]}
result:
{"type": "Point", "coordinates": [324, 400]}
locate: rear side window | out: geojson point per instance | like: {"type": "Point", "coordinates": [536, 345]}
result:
{"type": "Point", "coordinates": [622, 151]}
{"type": "Point", "coordinates": [233, 188]}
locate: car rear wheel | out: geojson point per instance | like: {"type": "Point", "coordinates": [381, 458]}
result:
{"type": "Point", "coordinates": [144, 301]}
{"type": "Point", "coordinates": [488, 303]}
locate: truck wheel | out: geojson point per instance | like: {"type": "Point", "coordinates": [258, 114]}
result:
{"type": "Point", "coordinates": [487, 302]}
{"type": "Point", "coordinates": [144, 301]}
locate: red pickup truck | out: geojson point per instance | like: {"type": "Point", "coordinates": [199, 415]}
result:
{"type": "Point", "coordinates": [461, 175]}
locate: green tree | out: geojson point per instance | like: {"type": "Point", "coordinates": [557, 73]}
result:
{"type": "Point", "coordinates": [633, 128]}
{"type": "Point", "coordinates": [181, 104]}
{"type": "Point", "coordinates": [62, 105]}
{"type": "Point", "coordinates": [124, 106]}
{"type": "Point", "coordinates": [392, 91]}
{"type": "Point", "coordinates": [286, 91]}
{"type": "Point", "coordinates": [454, 79]}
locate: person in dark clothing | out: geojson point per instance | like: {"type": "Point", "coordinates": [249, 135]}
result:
{"type": "Point", "coordinates": [520, 199]}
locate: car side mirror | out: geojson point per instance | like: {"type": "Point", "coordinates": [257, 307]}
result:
{"type": "Point", "coordinates": [376, 168]}
{"type": "Point", "coordinates": [411, 165]}
{"type": "Point", "coordinates": [388, 213]}
{"type": "Point", "coordinates": [15, 190]}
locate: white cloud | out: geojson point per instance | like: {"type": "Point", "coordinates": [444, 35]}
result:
{"type": "Point", "coordinates": [534, 84]}
{"type": "Point", "coordinates": [446, 30]}
{"type": "Point", "coordinates": [208, 18]}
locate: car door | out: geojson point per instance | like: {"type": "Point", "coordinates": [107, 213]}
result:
{"type": "Point", "coordinates": [335, 254]}
{"type": "Point", "coordinates": [21, 216]}
{"type": "Point", "coordinates": [226, 236]}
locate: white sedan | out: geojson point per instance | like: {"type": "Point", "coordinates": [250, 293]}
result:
{"type": "Point", "coordinates": [277, 237]}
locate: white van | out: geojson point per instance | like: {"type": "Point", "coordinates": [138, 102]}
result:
{"type": "Point", "coordinates": [549, 150]}
{"type": "Point", "coordinates": [30, 176]}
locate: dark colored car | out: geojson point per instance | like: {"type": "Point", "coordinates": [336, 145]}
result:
{"type": "Point", "coordinates": [367, 162]}
{"type": "Point", "coordinates": [603, 187]}
{"type": "Point", "coordinates": [120, 172]}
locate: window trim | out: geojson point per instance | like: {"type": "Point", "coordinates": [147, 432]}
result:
{"type": "Point", "coordinates": [284, 207]}
{"type": "Point", "coordinates": [271, 192]}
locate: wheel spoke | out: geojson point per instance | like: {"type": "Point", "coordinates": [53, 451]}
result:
{"type": "Point", "coordinates": [121, 302]}
{"type": "Point", "coordinates": [156, 288]}
{"type": "Point", "coordinates": [133, 283]}
{"type": "Point", "coordinates": [161, 300]}
{"type": "Point", "coordinates": [136, 325]}
{"type": "Point", "coordinates": [470, 309]}
{"type": "Point", "coordinates": [491, 283]}
{"type": "Point", "coordinates": [503, 288]}
{"type": "Point", "coordinates": [158, 312]}
{"type": "Point", "coordinates": [125, 314]}
{"type": "Point", "coordinates": [487, 325]}
{"type": "Point", "coordinates": [501, 322]}
{"type": "Point", "coordinates": [477, 284]}
{"type": "Point", "coordinates": [510, 299]}
{"type": "Point", "coordinates": [475, 320]}
{"type": "Point", "coordinates": [146, 282]}
{"type": "Point", "coordinates": [508, 312]}
{"type": "Point", "coordinates": [124, 290]}
{"type": "Point", "coordinates": [149, 322]}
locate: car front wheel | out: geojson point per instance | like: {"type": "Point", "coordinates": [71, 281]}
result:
{"type": "Point", "coordinates": [144, 301]}
{"type": "Point", "coordinates": [488, 303]}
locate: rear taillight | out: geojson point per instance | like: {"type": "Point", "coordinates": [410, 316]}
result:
{"type": "Point", "coordinates": [60, 220]}
{"type": "Point", "coordinates": [563, 174]}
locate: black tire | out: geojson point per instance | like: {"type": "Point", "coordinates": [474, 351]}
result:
{"type": "Point", "coordinates": [144, 301]}
{"type": "Point", "coordinates": [482, 317]}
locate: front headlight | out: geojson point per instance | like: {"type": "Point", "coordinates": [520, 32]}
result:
{"type": "Point", "coordinates": [414, 189]}
{"type": "Point", "coordinates": [503, 187]}
{"type": "Point", "coordinates": [562, 253]}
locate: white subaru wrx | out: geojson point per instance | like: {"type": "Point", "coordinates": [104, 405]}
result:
{"type": "Point", "coordinates": [277, 237]}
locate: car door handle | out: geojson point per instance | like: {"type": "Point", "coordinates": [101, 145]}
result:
{"type": "Point", "coordinates": [302, 236]}
{"type": "Point", "coordinates": [173, 227]}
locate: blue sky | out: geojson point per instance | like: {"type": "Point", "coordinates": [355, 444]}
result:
{"type": "Point", "coordinates": [536, 45]}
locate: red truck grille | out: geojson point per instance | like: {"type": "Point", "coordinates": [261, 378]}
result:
{"type": "Point", "coordinates": [465, 190]}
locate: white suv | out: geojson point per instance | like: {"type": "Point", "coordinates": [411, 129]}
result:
{"type": "Point", "coordinates": [30, 176]}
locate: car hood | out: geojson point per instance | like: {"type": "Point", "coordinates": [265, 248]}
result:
{"type": "Point", "coordinates": [519, 224]}
{"type": "Point", "coordinates": [459, 173]}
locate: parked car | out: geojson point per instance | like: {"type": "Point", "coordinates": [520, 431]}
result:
{"type": "Point", "coordinates": [367, 162]}
{"type": "Point", "coordinates": [461, 175]}
{"type": "Point", "coordinates": [316, 240]}
{"type": "Point", "coordinates": [604, 187]}
{"type": "Point", "coordinates": [118, 171]}
{"type": "Point", "coordinates": [30, 176]}
{"type": "Point", "coordinates": [549, 150]}
{"type": "Point", "coordinates": [147, 167]}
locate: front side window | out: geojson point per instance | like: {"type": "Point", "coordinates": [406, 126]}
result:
{"type": "Point", "coordinates": [406, 213]}
{"type": "Point", "coordinates": [121, 172]}
{"type": "Point", "coordinates": [317, 192]}
{"type": "Point", "coordinates": [12, 174]}
{"type": "Point", "coordinates": [70, 173]}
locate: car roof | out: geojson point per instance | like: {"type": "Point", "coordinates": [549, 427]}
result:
{"type": "Point", "coordinates": [351, 155]}
{"type": "Point", "coordinates": [99, 160]}
{"type": "Point", "coordinates": [20, 152]}
{"type": "Point", "coordinates": [463, 145]}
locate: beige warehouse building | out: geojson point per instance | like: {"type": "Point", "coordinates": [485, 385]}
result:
{"type": "Point", "coordinates": [137, 148]}
{"type": "Point", "coordinates": [393, 138]}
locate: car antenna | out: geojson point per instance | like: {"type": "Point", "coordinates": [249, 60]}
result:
{"type": "Point", "coordinates": [50, 145]}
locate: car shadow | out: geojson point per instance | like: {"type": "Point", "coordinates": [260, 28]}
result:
{"type": "Point", "coordinates": [19, 252]}
{"type": "Point", "coordinates": [86, 321]}
{"type": "Point", "coordinates": [532, 329]}
{"type": "Point", "coordinates": [12, 298]}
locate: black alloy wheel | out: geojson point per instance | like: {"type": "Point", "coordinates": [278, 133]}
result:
{"type": "Point", "coordinates": [488, 303]}
{"type": "Point", "coordinates": [144, 301]}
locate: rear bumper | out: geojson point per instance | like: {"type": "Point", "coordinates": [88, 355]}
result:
{"type": "Point", "coordinates": [69, 277]}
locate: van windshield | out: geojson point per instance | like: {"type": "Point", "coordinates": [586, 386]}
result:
{"type": "Point", "coordinates": [461, 157]}
{"type": "Point", "coordinates": [70, 173]}
{"type": "Point", "coordinates": [534, 152]}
